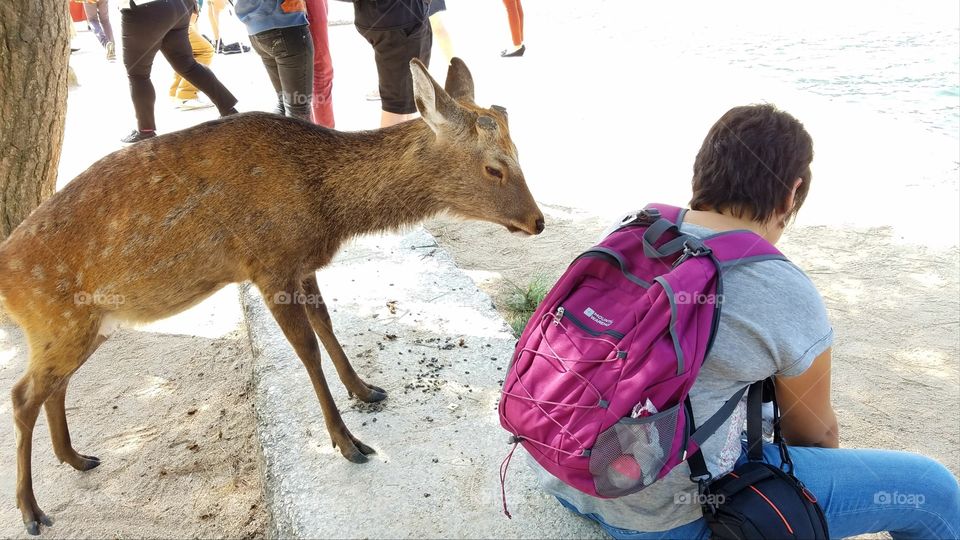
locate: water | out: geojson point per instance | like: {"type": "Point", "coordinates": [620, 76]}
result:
{"type": "Point", "coordinates": [898, 58]}
{"type": "Point", "coordinates": [910, 76]}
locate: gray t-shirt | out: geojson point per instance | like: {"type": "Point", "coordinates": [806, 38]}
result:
{"type": "Point", "coordinates": [773, 322]}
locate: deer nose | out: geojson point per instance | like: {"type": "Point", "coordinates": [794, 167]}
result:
{"type": "Point", "coordinates": [540, 225]}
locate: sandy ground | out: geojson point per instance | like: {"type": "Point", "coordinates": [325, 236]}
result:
{"type": "Point", "coordinates": [171, 417]}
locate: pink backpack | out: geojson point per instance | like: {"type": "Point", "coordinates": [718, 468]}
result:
{"type": "Point", "coordinates": [597, 390]}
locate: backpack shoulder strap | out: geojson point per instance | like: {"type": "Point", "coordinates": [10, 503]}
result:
{"type": "Point", "coordinates": [672, 214]}
{"type": "Point", "coordinates": [737, 247]}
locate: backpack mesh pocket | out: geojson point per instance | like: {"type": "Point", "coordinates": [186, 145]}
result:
{"type": "Point", "coordinates": [631, 453]}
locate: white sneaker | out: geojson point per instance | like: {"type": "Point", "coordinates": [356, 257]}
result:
{"type": "Point", "coordinates": [193, 104]}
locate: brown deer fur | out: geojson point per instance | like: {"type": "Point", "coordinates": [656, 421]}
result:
{"type": "Point", "coordinates": [155, 228]}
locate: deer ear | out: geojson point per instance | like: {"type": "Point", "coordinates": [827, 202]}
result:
{"type": "Point", "coordinates": [436, 107]}
{"type": "Point", "coordinates": [459, 82]}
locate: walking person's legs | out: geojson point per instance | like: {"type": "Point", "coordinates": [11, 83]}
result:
{"type": "Point", "coordinates": [322, 103]}
{"type": "Point", "coordinates": [93, 19]}
{"type": "Point", "coordinates": [203, 53]}
{"type": "Point", "coordinates": [393, 50]}
{"type": "Point", "coordinates": [213, 13]}
{"type": "Point", "coordinates": [142, 30]}
{"type": "Point", "coordinates": [176, 48]}
{"type": "Point", "coordinates": [295, 70]}
{"type": "Point", "coordinates": [103, 13]}
{"type": "Point", "coordinates": [262, 44]}
{"type": "Point", "coordinates": [515, 18]}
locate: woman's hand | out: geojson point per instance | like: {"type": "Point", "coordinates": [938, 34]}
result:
{"type": "Point", "coordinates": [806, 414]}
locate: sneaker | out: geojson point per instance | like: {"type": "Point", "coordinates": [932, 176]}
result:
{"type": "Point", "coordinates": [111, 51]}
{"type": "Point", "coordinates": [137, 136]}
{"type": "Point", "coordinates": [374, 96]}
{"type": "Point", "coordinates": [193, 104]}
{"type": "Point", "coordinates": [231, 48]}
{"type": "Point", "coordinates": [507, 53]}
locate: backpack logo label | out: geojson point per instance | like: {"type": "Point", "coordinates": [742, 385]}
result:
{"type": "Point", "coordinates": [597, 318]}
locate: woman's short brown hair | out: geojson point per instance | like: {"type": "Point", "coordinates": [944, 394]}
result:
{"type": "Point", "coordinates": [749, 162]}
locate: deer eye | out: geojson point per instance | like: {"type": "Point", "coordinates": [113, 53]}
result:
{"type": "Point", "coordinates": [496, 173]}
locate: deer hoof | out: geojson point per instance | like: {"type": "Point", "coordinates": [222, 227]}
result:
{"type": "Point", "coordinates": [88, 462]}
{"type": "Point", "coordinates": [376, 394]}
{"type": "Point", "coordinates": [356, 457]}
{"type": "Point", "coordinates": [33, 527]}
{"type": "Point", "coordinates": [366, 450]}
{"type": "Point", "coordinates": [357, 452]}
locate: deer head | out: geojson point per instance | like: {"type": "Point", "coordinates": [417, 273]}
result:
{"type": "Point", "coordinates": [486, 183]}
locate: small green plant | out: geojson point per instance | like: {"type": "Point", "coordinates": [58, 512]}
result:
{"type": "Point", "coordinates": [523, 301]}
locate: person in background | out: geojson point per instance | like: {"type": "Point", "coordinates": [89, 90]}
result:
{"type": "Point", "coordinates": [322, 64]}
{"type": "Point", "coordinates": [280, 34]}
{"type": "Point", "coordinates": [148, 26]}
{"type": "Point", "coordinates": [97, 13]}
{"type": "Point", "coordinates": [398, 31]}
{"type": "Point", "coordinates": [183, 93]}
{"type": "Point", "coordinates": [440, 33]}
{"type": "Point", "coordinates": [515, 17]}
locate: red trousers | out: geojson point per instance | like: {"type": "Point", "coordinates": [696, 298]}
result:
{"type": "Point", "coordinates": [515, 13]}
{"type": "Point", "coordinates": [322, 64]}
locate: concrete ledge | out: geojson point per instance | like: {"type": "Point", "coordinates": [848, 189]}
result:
{"type": "Point", "coordinates": [416, 325]}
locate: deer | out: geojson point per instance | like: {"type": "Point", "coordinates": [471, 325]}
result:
{"type": "Point", "coordinates": [153, 229]}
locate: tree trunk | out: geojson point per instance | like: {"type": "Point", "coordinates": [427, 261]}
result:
{"type": "Point", "coordinates": [34, 50]}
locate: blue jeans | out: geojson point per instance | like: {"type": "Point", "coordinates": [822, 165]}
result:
{"type": "Point", "coordinates": [860, 491]}
{"type": "Point", "coordinates": [287, 53]}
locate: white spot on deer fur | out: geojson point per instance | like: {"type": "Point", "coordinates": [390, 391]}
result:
{"type": "Point", "coordinates": [108, 326]}
{"type": "Point", "coordinates": [37, 272]}
{"type": "Point", "coordinates": [67, 314]}
{"type": "Point", "coordinates": [62, 268]}
{"type": "Point", "coordinates": [15, 264]}
{"type": "Point", "coordinates": [114, 225]}
{"type": "Point", "coordinates": [256, 171]}
{"type": "Point", "coordinates": [156, 179]}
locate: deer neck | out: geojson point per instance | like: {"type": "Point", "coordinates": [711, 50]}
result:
{"type": "Point", "coordinates": [392, 179]}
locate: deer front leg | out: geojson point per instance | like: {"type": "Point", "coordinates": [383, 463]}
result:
{"type": "Point", "coordinates": [320, 321]}
{"type": "Point", "coordinates": [292, 319]}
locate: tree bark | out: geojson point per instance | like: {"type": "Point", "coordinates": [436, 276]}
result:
{"type": "Point", "coordinates": [34, 53]}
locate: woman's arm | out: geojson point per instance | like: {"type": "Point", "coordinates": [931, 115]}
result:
{"type": "Point", "coordinates": [806, 414]}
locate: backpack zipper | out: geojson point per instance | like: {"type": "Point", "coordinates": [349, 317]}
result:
{"type": "Point", "coordinates": [558, 316]}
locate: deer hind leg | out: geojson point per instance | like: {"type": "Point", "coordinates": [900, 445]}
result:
{"type": "Point", "coordinates": [320, 321]}
{"type": "Point", "coordinates": [55, 407]}
{"type": "Point", "coordinates": [293, 321]}
{"type": "Point", "coordinates": [51, 364]}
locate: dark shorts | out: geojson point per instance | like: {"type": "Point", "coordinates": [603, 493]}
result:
{"type": "Point", "coordinates": [393, 50]}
